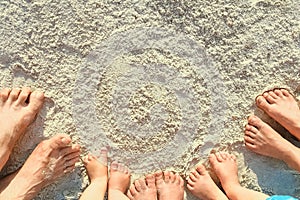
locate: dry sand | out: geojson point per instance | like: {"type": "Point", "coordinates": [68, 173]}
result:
{"type": "Point", "coordinates": [161, 82]}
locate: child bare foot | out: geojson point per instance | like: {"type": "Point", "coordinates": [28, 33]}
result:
{"type": "Point", "coordinates": [262, 139]}
{"type": "Point", "coordinates": [202, 186]}
{"type": "Point", "coordinates": [169, 186]}
{"type": "Point", "coordinates": [118, 182]}
{"type": "Point", "coordinates": [225, 167]}
{"type": "Point", "coordinates": [18, 109]}
{"type": "Point", "coordinates": [97, 172]}
{"type": "Point", "coordinates": [143, 189]}
{"type": "Point", "coordinates": [282, 107]}
{"type": "Point", "coordinates": [50, 160]}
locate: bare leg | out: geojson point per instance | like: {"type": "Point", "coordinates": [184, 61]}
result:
{"type": "Point", "coordinates": [143, 189]}
{"type": "Point", "coordinates": [202, 186]}
{"type": "Point", "coordinates": [97, 171]}
{"type": "Point", "coordinates": [50, 160]}
{"type": "Point", "coordinates": [226, 169]}
{"type": "Point", "coordinates": [282, 107]}
{"type": "Point", "coordinates": [262, 139]}
{"type": "Point", "coordinates": [118, 182]}
{"type": "Point", "coordinates": [169, 186]}
{"type": "Point", "coordinates": [18, 109]}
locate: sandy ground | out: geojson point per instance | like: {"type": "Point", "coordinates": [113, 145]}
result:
{"type": "Point", "coordinates": [161, 82]}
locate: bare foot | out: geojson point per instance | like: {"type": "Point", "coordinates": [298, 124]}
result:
{"type": "Point", "coordinates": [118, 182]}
{"type": "Point", "coordinates": [50, 160]}
{"type": "Point", "coordinates": [97, 172]}
{"type": "Point", "coordinates": [18, 109]}
{"type": "Point", "coordinates": [282, 107]}
{"type": "Point", "coordinates": [169, 186]}
{"type": "Point", "coordinates": [143, 189]}
{"type": "Point", "coordinates": [225, 167]}
{"type": "Point", "coordinates": [202, 186]}
{"type": "Point", "coordinates": [262, 139]}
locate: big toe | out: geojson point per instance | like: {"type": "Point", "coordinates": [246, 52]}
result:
{"type": "Point", "coordinates": [262, 103]}
{"type": "Point", "coordinates": [59, 141]}
{"type": "Point", "coordinates": [36, 100]}
{"type": "Point", "coordinates": [159, 179]}
{"type": "Point", "coordinates": [201, 170]}
{"type": "Point", "coordinates": [213, 160]}
{"type": "Point", "coordinates": [103, 156]}
{"type": "Point", "coordinates": [255, 121]}
{"type": "Point", "coordinates": [150, 180]}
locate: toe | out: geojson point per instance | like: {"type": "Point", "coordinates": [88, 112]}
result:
{"type": "Point", "coordinates": [4, 94]}
{"type": "Point", "coordinates": [36, 100]}
{"type": "Point", "coordinates": [69, 150]}
{"type": "Point", "coordinates": [73, 155]}
{"type": "Point", "coordinates": [219, 157]}
{"type": "Point", "coordinates": [248, 139]}
{"type": "Point", "coordinates": [255, 121]}
{"type": "Point", "coordinates": [24, 95]}
{"type": "Point", "coordinates": [273, 95]}
{"type": "Point", "coordinates": [250, 146]}
{"type": "Point", "coordinates": [262, 103]}
{"type": "Point", "coordinates": [278, 92]}
{"type": "Point", "coordinates": [181, 181]}
{"type": "Point", "coordinates": [103, 156]}
{"type": "Point", "coordinates": [213, 158]}
{"type": "Point", "coordinates": [131, 192]}
{"type": "Point", "coordinates": [14, 94]}
{"type": "Point", "coordinates": [193, 177]}
{"type": "Point", "coordinates": [285, 92]}
{"type": "Point", "coordinates": [167, 176]}
{"type": "Point", "coordinates": [159, 178]}
{"type": "Point", "coordinates": [114, 166]}
{"type": "Point", "coordinates": [178, 179]}
{"type": "Point", "coordinates": [195, 173]}
{"type": "Point", "coordinates": [224, 155]}
{"type": "Point", "coordinates": [172, 177]}
{"type": "Point", "coordinates": [150, 180]}
{"type": "Point", "coordinates": [126, 170]}
{"type": "Point", "coordinates": [143, 184]}
{"type": "Point", "coordinates": [269, 97]}
{"type": "Point", "coordinates": [71, 162]}
{"type": "Point", "coordinates": [251, 129]}
{"type": "Point", "coordinates": [137, 185]}
{"type": "Point", "coordinates": [190, 185]}
{"type": "Point", "coordinates": [201, 170]}
{"type": "Point", "coordinates": [232, 157]}
{"type": "Point", "coordinates": [59, 141]}
{"type": "Point", "coordinates": [69, 169]}
{"type": "Point", "coordinates": [121, 167]}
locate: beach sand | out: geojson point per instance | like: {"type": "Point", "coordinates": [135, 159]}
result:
{"type": "Point", "coordinates": [161, 82]}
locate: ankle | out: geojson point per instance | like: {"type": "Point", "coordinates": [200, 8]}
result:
{"type": "Point", "coordinates": [231, 189]}
{"type": "Point", "coordinates": [99, 180]}
{"type": "Point", "coordinates": [292, 159]}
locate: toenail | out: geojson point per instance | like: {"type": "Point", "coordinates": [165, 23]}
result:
{"type": "Point", "coordinates": [65, 141]}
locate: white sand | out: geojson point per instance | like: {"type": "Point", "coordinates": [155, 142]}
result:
{"type": "Point", "coordinates": [148, 96]}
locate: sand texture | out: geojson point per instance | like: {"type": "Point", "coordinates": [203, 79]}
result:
{"type": "Point", "coordinates": [160, 82]}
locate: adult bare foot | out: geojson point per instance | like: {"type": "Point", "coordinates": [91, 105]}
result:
{"type": "Point", "coordinates": [18, 109]}
{"type": "Point", "coordinates": [118, 182]}
{"type": "Point", "coordinates": [282, 107]}
{"type": "Point", "coordinates": [262, 139]}
{"type": "Point", "coordinates": [143, 189]}
{"type": "Point", "coordinates": [50, 160]}
{"type": "Point", "coordinates": [97, 172]}
{"type": "Point", "coordinates": [202, 186]}
{"type": "Point", "coordinates": [226, 169]}
{"type": "Point", "coordinates": [169, 186]}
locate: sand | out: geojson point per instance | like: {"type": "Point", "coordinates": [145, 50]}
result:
{"type": "Point", "coordinates": [160, 82]}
